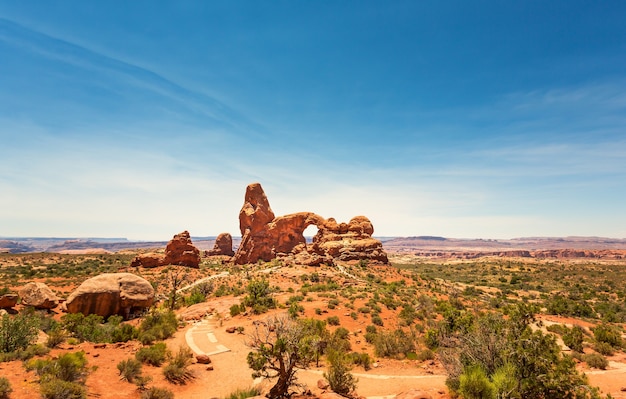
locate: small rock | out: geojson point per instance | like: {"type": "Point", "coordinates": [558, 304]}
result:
{"type": "Point", "coordinates": [209, 367]}
{"type": "Point", "coordinates": [203, 359]}
{"type": "Point", "coordinates": [322, 384]}
{"type": "Point", "coordinates": [99, 346]}
{"type": "Point", "coordinates": [231, 330]}
{"type": "Point", "coordinates": [375, 365]}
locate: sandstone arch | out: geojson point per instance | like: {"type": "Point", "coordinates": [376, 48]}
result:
{"type": "Point", "coordinates": [266, 237]}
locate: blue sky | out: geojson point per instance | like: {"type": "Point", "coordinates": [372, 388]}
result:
{"type": "Point", "coordinates": [482, 119]}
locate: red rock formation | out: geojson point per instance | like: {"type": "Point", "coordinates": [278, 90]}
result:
{"type": "Point", "coordinates": [179, 251]}
{"type": "Point", "coordinates": [39, 296]}
{"type": "Point", "coordinates": [223, 246]}
{"type": "Point", "coordinates": [110, 294]}
{"type": "Point", "coordinates": [265, 237]}
{"type": "Point", "coordinates": [8, 300]}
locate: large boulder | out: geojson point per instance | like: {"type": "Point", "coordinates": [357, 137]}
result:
{"type": "Point", "coordinates": [265, 237]}
{"type": "Point", "coordinates": [111, 294]}
{"type": "Point", "coordinates": [414, 394]}
{"type": "Point", "coordinates": [223, 245]}
{"type": "Point", "coordinates": [179, 251]}
{"type": "Point", "coordinates": [39, 296]}
{"type": "Point", "coordinates": [8, 301]}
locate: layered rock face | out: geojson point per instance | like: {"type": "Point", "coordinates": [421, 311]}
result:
{"type": "Point", "coordinates": [39, 296]}
{"type": "Point", "coordinates": [223, 246]}
{"type": "Point", "coordinates": [111, 294]}
{"type": "Point", "coordinates": [179, 251]}
{"type": "Point", "coordinates": [265, 237]}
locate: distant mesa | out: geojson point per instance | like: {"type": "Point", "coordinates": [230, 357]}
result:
{"type": "Point", "coordinates": [179, 251]}
{"type": "Point", "coordinates": [266, 237]}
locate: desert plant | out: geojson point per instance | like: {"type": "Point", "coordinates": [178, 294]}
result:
{"type": "Point", "coordinates": [154, 355]}
{"type": "Point", "coordinates": [604, 349]}
{"type": "Point", "coordinates": [332, 320]}
{"type": "Point", "coordinates": [573, 338]}
{"type": "Point", "coordinates": [129, 369]}
{"type": "Point", "coordinates": [244, 393]}
{"type": "Point", "coordinates": [55, 337]}
{"type": "Point", "coordinates": [177, 370]}
{"type": "Point", "coordinates": [5, 388]}
{"type": "Point", "coordinates": [474, 384]}
{"type": "Point", "coordinates": [281, 346]}
{"type": "Point", "coordinates": [608, 334]}
{"type": "Point", "coordinates": [259, 296]}
{"type": "Point", "coordinates": [157, 393]}
{"type": "Point", "coordinates": [596, 361]}
{"type": "Point", "coordinates": [17, 332]}
{"type": "Point", "coordinates": [235, 310]}
{"type": "Point", "coordinates": [338, 375]}
{"type": "Point", "coordinates": [58, 389]}
{"type": "Point", "coordinates": [157, 326]}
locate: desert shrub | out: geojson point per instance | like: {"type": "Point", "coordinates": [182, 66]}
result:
{"type": "Point", "coordinates": [153, 355]}
{"type": "Point", "coordinates": [393, 343]}
{"type": "Point", "coordinates": [604, 348]}
{"type": "Point", "coordinates": [425, 354]}
{"type": "Point", "coordinates": [17, 332]}
{"type": "Point", "coordinates": [157, 393]}
{"type": "Point", "coordinates": [55, 337]}
{"type": "Point", "coordinates": [361, 359]}
{"type": "Point", "coordinates": [244, 393]}
{"type": "Point", "coordinates": [332, 320]}
{"type": "Point", "coordinates": [129, 369]}
{"type": "Point", "coordinates": [259, 296]}
{"type": "Point", "coordinates": [70, 367]}
{"type": "Point", "coordinates": [573, 338]}
{"type": "Point", "coordinates": [158, 326]}
{"type": "Point", "coordinates": [235, 310]}
{"type": "Point", "coordinates": [596, 360]}
{"type": "Point", "coordinates": [5, 388]}
{"type": "Point", "coordinates": [377, 320]}
{"type": "Point", "coordinates": [58, 389]}
{"type": "Point", "coordinates": [474, 384]}
{"type": "Point", "coordinates": [560, 305]}
{"type": "Point", "coordinates": [339, 378]}
{"type": "Point", "coordinates": [608, 334]}
{"type": "Point", "coordinates": [177, 370]}
{"type": "Point", "coordinates": [124, 333]}
{"type": "Point", "coordinates": [194, 298]}
{"type": "Point", "coordinates": [25, 354]}
{"type": "Point", "coordinates": [85, 328]}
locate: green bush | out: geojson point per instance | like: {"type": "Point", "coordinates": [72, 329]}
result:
{"type": "Point", "coordinates": [17, 332]}
{"type": "Point", "coordinates": [259, 296]}
{"type": "Point", "coordinates": [608, 334]}
{"type": "Point", "coordinates": [177, 371]}
{"type": "Point", "coordinates": [377, 320]}
{"type": "Point", "coordinates": [158, 326]}
{"type": "Point", "coordinates": [153, 355]}
{"type": "Point", "coordinates": [129, 369]}
{"type": "Point", "coordinates": [604, 348]}
{"type": "Point", "coordinates": [596, 361]}
{"type": "Point", "coordinates": [244, 393]}
{"type": "Point", "coordinates": [573, 338]}
{"type": "Point", "coordinates": [474, 384]}
{"type": "Point", "coordinates": [157, 393]}
{"type": "Point", "coordinates": [332, 320]}
{"type": "Point", "coordinates": [55, 337]}
{"type": "Point", "coordinates": [55, 388]}
{"type": "Point", "coordinates": [5, 388]}
{"type": "Point", "coordinates": [425, 354]}
{"type": "Point", "coordinates": [68, 367]}
{"type": "Point", "coordinates": [235, 310]}
{"type": "Point", "coordinates": [392, 344]}
{"type": "Point", "coordinates": [339, 378]}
